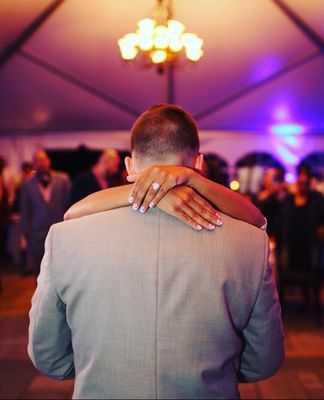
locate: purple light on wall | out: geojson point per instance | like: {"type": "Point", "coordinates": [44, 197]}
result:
{"type": "Point", "coordinates": [265, 67]}
{"type": "Point", "coordinates": [290, 177]}
{"type": "Point", "coordinates": [287, 155]}
{"type": "Point", "coordinates": [287, 129]}
{"type": "Point", "coordinates": [281, 113]}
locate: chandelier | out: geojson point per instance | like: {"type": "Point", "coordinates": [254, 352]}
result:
{"type": "Point", "coordinates": [160, 41]}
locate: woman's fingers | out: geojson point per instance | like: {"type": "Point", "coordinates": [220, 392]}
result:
{"type": "Point", "coordinates": [156, 192]}
{"type": "Point", "coordinates": [150, 188]}
{"type": "Point", "coordinates": [184, 217]}
{"type": "Point", "coordinates": [195, 216]}
{"type": "Point", "coordinates": [138, 193]}
{"type": "Point", "coordinates": [205, 210]}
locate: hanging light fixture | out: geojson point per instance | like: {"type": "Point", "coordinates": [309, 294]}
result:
{"type": "Point", "coordinates": [160, 41]}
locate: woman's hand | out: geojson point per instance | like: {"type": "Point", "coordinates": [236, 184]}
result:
{"type": "Point", "coordinates": [152, 185]}
{"type": "Point", "coordinates": [189, 207]}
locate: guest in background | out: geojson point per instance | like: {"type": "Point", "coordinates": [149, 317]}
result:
{"type": "Point", "coordinates": [4, 217]}
{"type": "Point", "coordinates": [214, 170]}
{"type": "Point", "coordinates": [17, 243]}
{"type": "Point", "coordinates": [44, 199]}
{"type": "Point", "coordinates": [301, 220]}
{"type": "Point", "coordinates": [269, 199]}
{"type": "Point", "coordinates": [101, 176]}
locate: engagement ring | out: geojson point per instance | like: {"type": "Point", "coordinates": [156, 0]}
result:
{"type": "Point", "coordinates": [155, 186]}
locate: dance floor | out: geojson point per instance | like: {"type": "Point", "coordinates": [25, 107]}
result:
{"type": "Point", "coordinates": [301, 377]}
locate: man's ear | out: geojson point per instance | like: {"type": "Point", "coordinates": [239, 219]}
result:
{"type": "Point", "coordinates": [199, 162]}
{"type": "Point", "coordinates": [129, 165]}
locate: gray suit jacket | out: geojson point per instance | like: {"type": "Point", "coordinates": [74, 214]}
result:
{"type": "Point", "coordinates": [142, 306]}
{"type": "Point", "coordinates": [36, 215]}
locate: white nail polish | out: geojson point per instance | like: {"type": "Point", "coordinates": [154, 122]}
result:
{"type": "Point", "coordinates": [152, 204]}
{"type": "Point", "coordinates": [210, 226]}
{"type": "Point", "coordinates": [131, 199]}
{"type": "Point", "coordinates": [199, 227]}
{"type": "Point", "coordinates": [135, 207]}
{"type": "Point", "coordinates": [219, 222]}
{"type": "Point", "coordinates": [142, 209]}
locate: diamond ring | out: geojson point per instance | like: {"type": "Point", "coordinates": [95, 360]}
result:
{"type": "Point", "coordinates": [155, 186]}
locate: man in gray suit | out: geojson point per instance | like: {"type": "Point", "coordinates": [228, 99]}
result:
{"type": "Point", "coordinates": [43, 201]}
{"type": "Point", "coordinates": [143, 306]}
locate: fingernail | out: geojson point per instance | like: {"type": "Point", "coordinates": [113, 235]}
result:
{"type": "Point", "coordinates": [135, 206]}
{"type": "Point", "coordinates": [131, 199]}
{"type": "Point", "coordinates": [152, 204]}
{"type": "Point", "coordinates": [219, 222]}
{"type": "Point", "coordinates": [211, 226]}
{"type": "Point", "coordinates": [199, 227]}
{"type": "Point", "coordinates": [217, 215]}
{"type": "Point", "coordinates": [142, 209]}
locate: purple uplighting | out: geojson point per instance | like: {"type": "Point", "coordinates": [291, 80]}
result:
{"type": "Point", "coordinates": [287, 129]}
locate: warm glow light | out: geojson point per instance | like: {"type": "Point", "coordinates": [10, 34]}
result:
{"type": "Point", "coordinates": [159, 56]}
{"type": "Point", "coordinates": [132, 39]}
{"type": "Point", "coordinates": [188, 38]}
{"type": "Point", "coordinates": [146, 27]}
{"type": "Point", "coordinates": [194, 54]}
{"type": "Point", "coordinates": [146, 44]}
{"type": "Point", "coordinates": [175, 29]}
{"type": "Point", "coordinates": [127, 49]}
{"type": "Point", "coordinates": [161, 42]}
{"type": "Point", "coordinates": [235, 185]}
{"type": "Point", "coordinates": [175, 45]}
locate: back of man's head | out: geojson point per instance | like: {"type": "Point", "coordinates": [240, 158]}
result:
{"type": "Point", "coordinates": [163, 133]}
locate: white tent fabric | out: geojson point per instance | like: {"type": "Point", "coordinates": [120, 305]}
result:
{"type": "Point", "coordinates": [65, 72]}
{"type": "Point", "coordinates": [62, 81]}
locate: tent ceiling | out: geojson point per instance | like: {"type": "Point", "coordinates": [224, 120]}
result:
{"type": "Point", "coordinates": [68, 74]}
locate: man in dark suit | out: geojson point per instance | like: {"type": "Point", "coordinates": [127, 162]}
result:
{"type": "Point", "coordinates": [44, 200]}
{"type": "Point", "coordinates": [100, 176]}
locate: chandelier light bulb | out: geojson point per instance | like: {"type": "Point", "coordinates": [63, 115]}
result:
{"type": "Point", "coordinates": [161, 40]}
{"type": "Point", "coordinates": [194, 54]}
{"type": "Point", "coordinates": [146, 27]}
{"type": "Point", "coordinates": [145, 44]}
{"type": "Point", "coordinates": [187, 39]}
{"type": "Point", "coordinates": [159, 56]}
{"type": "Point", "coordinates": [175, 29]}
{"type": "Point", "coordinates": [132, 39]}
{"type": "Point", "coordinates": [175, 45]}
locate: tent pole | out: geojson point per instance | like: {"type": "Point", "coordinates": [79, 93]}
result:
{"type": "Point", "coordinates": [26, 34]}
{"type": "Point", "coordinates": [306, 29]}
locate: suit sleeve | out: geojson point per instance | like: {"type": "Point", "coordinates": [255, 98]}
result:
{"type": "Point", "coordinates": [49, 344]}
{"type": "Point", "coordinates": [263, 339]}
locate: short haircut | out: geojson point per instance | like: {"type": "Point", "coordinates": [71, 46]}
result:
{"type": "Point", "coordinates": [162, 130]}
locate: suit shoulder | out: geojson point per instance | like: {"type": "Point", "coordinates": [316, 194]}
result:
{"type": "Point", "coordinates": [244, 232]}
{"type": "Point", "coordinates": [92, 220]}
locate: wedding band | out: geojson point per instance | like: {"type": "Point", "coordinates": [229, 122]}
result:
{"type": "Point", "coordinates": [155, 186]}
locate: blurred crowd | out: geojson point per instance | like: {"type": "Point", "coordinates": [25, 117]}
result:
{"type": "Point", "coordinates": [40, 196]}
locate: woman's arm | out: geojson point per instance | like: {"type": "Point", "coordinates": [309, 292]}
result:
{"type": "Point", "coordinates": [103, 200]}
{"type": "Point", "coordinates": [181, 202]}
{"type": "Point", "coordinates": [229, 202]}
{"type": "Point", "coordinates": [144, 195]}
